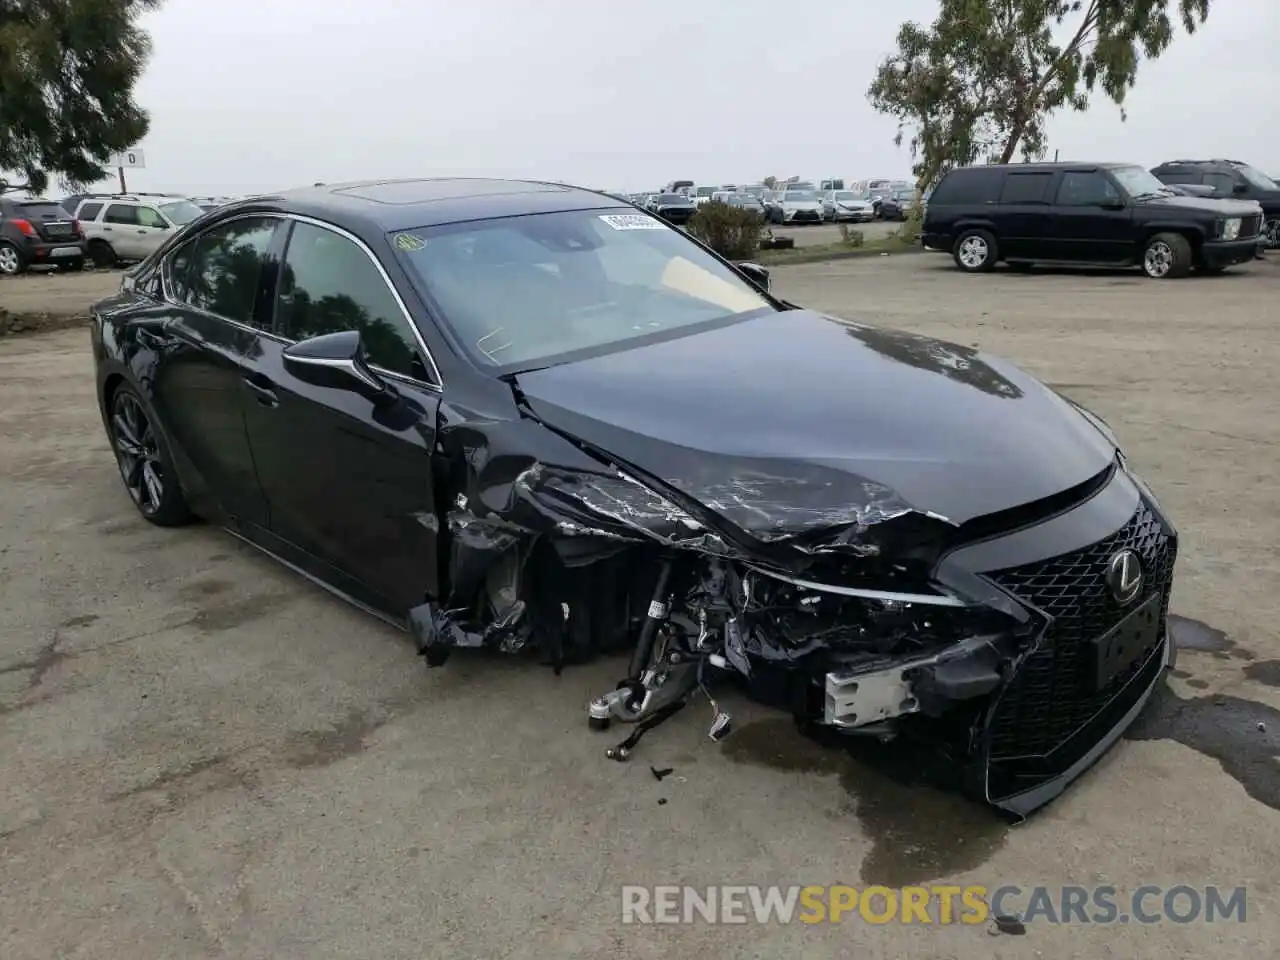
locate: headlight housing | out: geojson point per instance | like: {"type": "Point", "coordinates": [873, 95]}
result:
{"type": "Point", "coordinates": [1230, 228]}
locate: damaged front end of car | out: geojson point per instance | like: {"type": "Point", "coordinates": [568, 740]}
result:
{"type": "Point", "coordinates": [855, 611]}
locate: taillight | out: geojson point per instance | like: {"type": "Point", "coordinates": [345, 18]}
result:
{"type": "Point", "coordinates": [24, 227]}
{"type": "Point", "coordinates": [75, 225]}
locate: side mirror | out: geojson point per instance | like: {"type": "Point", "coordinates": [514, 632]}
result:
{"type": "Point", "coordinates": [1239, 188]}
{"type": "Point", "coordinates": [757, 274]}
{"type": "Point", "coordinates": [1112, 204]}
{"type": "Point", "coordinates": [337, 360]}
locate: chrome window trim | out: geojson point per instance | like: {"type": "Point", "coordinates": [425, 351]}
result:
{"type": "Point", "coordinates": [170, 297]}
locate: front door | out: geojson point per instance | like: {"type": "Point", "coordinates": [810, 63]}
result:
{"type": "Point", "coordinates": [204, 346]}
{"type": "Point", "coordinates": [349, 482]}
{"type": "Point", "coordinates": [153, 230]}
{"type": "Point", "coordinates": [1087, 228]}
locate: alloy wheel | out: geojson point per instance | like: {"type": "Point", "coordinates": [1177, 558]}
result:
{"type": "Point", "coordinates": [974, 252]}
{"type": "Point", "coordinates": [138, 453]}
{"type": "Point", "coordinates": [1158, 259]}
{"type": "Point", "coordinates": [10, 262]}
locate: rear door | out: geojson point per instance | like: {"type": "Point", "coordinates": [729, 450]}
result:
{"type": "Point", "coordinates": [216, 288]}
{"type": "Point", "coordinates": [1023, 224]}
{"type": "Point", "coordinates": [349, 482]}
{"type": "Point", "coordinates": [1084, 230]}
{"type": "Point", "coordinates": [122, 228]}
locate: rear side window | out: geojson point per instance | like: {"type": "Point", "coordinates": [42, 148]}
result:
{"type": "Point", "coordinates": [1025, 187]}
{"type": "Point", "coordinates": [89, 211]}
{"type": "Point", "coordinates": [122, 213]}
{"type": "Point", "coordinates": [968, 185]}
{"type": "Point", "coordinates": [223, 276]}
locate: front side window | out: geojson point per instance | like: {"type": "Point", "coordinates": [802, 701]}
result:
{"type": "Point", "coordinates": [147, 217]}
{"type": "Point", "coordinates": [1221, 182]}
{"type": "Point", "coordinates": [122, 213]}
{"type": "Point", "coordinates": [518, 291]}
{"type": "Point", "coordinates": [329, 284]}
{"type": "Point", "coordinates": [226, 267]}
{"type": "Point", "coordinates": [1085, 190]}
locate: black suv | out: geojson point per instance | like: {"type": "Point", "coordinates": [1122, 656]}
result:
{"type": "Point", "coordinates": [36, 233]}
{"type": "Point", "coordinates": [1109, 214]}
{"type": "Point", "coordinates": [1230, 178]}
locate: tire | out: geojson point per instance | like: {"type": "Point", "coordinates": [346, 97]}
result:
{"type": "Point", "coordinates": [12, 261]}
{"type": "Point", "coordinates": [102, 253]}
{"type": "Point", "coordinates": [975, 251]}
{"type": "Point", "coordinates": [71, 266]}
{"type": "Point", "coordinates": [1167, 256]}
{"type": "Point", "coordinates": [144, 461]}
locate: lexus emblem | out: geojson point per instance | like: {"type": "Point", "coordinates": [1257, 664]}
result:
{"type": "Point", "coordinates": [1124, 576]}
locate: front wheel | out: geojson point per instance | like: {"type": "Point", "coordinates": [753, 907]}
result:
{"type": "Point", "coordinates": [975, 251]}
{"type": "Point", "coordinates": [145, 464]}
{"type": "Point", "coordinates": [1167, 256]}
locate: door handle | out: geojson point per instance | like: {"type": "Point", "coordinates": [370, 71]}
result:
{"type": "Point", "coordinates": [262, 390]}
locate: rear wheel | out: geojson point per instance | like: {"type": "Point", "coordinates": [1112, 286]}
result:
{"type": "Point", "coordinates": [101, 253]}
{"type": "Point", "coordinates": [975, 251]}
{"type": "Point", "coordinates": [145, 464]}
{"type": "Point", "coordinates": [11, 259]}
{"type": "Point", "coordinates": [1167, 256]}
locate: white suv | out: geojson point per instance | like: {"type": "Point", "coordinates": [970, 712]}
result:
{"type": "Point", "coordinates": [130, 226]}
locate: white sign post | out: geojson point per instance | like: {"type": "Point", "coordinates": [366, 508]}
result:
{"type": "Point", "coordinates": [128, 160]}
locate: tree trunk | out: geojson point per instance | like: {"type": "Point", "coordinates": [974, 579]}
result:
{"type": "Point", "coordinates": [1015, 136]}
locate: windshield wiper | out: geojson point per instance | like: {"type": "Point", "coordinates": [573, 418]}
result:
{"type": "Point", "coordinates": [1150, 194]}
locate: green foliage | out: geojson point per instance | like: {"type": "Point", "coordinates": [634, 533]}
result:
{"type": "Point", "coordinates": [67, 72]}
{"type": "Point", "coordinates": [982, 80]}
{"type": "Point", "coordinates": [851, 237]}
{"type": "Point", "coordinates": [732, 232]}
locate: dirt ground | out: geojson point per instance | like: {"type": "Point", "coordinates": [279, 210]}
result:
{"type": "Point", "coordinates": [202, 755]}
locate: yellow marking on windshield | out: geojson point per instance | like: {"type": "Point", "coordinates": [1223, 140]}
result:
{"type": "Point", "coordinates": [688, 278]}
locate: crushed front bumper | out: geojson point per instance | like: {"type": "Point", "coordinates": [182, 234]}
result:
{"type": "Point", "coordinates": [1040, 704]}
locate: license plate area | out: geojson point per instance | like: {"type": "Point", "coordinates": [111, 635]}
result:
{"type": "Point", "coordinates": [65, 252]}
{"type": "Point", "coordinates": [1118, 649]}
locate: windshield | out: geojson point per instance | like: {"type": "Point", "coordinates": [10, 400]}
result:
{"type": "Point", "coordinates": [518, 291]}
{"type": "Point", "coordinates": [182, 211]}
{"type": "Point", "coordinates": [706, 191]}
{"type": "Point", "coordinates": [846, 195]}
{"type": "Point", "coordinates": [792, 196]}
{"type": "Point", "coordinates": [673, 198]}
{"type": "Point", "coordinates": [1138, 182]}
{"type": "Point", "coordinates": [1256, 177]}
{"type": "Point", "coordinates": [44, 209]}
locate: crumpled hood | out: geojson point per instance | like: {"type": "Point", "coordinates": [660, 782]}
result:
{"type": "Point", "coordinates": [792, 421]}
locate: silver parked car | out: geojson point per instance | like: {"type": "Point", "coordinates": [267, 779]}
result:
{"type": "Point", "coordinates": [846, 206]}
{"type": "Point", "coordinates": [794, 204]}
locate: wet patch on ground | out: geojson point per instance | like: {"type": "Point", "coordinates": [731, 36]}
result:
{"type": "Point", "coordinates": [919, 831]}
{"type": "Point", "coordinates": [237, 613]}
{"type": "Point", "coordinates": [1242, 735]}
{"type": "Point", "coordinates": [1194, 635]}
{"type": "Point", "coordinates": [346, 738]}
{"type": "Point", "coordinates": [1264, 671]}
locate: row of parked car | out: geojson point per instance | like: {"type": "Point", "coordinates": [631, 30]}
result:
{"type": "Point", "coordinates": [794, 202]}
{"type": "Point", "coordinates": [1182, 216]}
{"type": "Point", "coordinates": [104, 228]}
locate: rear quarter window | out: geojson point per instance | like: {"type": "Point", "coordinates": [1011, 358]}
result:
{"type": "Point", "coordinates": [968, 185]}
{"type": "Point", "coordinates": [89, 211]}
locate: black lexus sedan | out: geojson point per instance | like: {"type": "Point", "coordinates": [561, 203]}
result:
{"type": "Point", "coordinates": [526, 417]}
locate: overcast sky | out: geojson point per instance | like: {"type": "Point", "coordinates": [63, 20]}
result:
{"type": "Point", "coordinates": [250, 95]}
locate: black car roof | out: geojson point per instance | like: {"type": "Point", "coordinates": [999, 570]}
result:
{"type": "Point", "coordinates": [390, 205]}
{"type": "Point", "coordinates": [1051, 167]}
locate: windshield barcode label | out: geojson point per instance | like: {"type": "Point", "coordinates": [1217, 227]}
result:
{"type": "Point", "coordinates": [632, 221]}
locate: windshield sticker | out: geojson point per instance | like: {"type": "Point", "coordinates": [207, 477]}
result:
{"type": "Point", "coordinates": [409, 243]}
{"type": "Point", "coordinates": [632, 221]}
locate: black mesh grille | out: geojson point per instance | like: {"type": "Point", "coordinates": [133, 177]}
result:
{"type": "Point", "coordinates": [1054, 693]}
